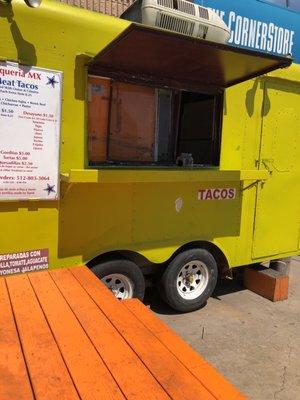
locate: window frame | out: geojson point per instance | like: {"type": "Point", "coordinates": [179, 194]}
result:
{"type": "Point", "coordinates": [216, 135]}
{"type": "Point", "coordinates": [283, 7]}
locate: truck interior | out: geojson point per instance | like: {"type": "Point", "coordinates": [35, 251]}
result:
{"type": "Point", "coordinates": [132, 124]}
{"type": "Point", "coordinates": [151, 106]}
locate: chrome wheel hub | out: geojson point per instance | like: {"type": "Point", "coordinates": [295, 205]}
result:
{"type": "Point", "coordinates": [192, 279]}
{"type": "Point", "coordinates": [120, 285]}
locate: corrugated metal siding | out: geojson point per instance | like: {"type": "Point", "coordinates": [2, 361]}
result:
{"type": "Point", "coordinates": [110, 7]}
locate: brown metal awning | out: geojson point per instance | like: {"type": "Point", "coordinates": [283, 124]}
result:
{"type": "Point", "coordinates": [160, 57]}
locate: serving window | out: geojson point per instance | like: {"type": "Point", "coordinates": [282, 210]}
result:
{"type": "Point", "coordinates": [147, 124]}
{"type": "Point", "coordinates": [130, 124]}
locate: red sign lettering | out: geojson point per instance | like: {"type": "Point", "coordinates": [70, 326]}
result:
{"type": "Point", "coordinates": [217, 194]}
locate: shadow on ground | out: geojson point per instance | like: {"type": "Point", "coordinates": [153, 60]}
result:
{"type": "Point", "coordinates": [223, 288]}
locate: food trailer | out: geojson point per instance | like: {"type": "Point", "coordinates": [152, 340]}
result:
{"type": "Point", "coordinates": [141, 151]}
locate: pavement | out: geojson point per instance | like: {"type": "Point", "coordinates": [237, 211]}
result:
{"type": "Point", "coordinates": [253, 342]}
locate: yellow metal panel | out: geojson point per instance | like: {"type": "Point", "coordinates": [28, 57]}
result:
{"type": "Point", "coordinates": [291, 74]}
{"type": "Point", "coordinates": [156, 217]}
{"type": "Point", "coordinates": [241, 126]}
{"type": "Point", "coordinates": [240, 150]}
{"type": "Point", "coordinates": [143, 217]}
{"type": "Point", "coordinates": [29, 225]}
{"type": "Point", "coordinates": [254, 175]}
{"type": "Point", "coordinates": [116, 175]}
{"type": "Point", "coordinates": [105, 210]}
{"type": "Point", "coordinates": [59, 37]}
{"type": "Point", "coordinates": [278, 199]}
{"type": "Point", "coordinates": [94, 219]}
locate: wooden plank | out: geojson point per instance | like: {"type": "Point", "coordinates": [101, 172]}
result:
{"type": "Point", "coordinates": [14, 380]}
{"type": "Point", "coordinates": [125, 366]}
{"type": "Point", "coordinates": [205, 373]}
{"type": "Point", "coordinates": [90, 375]}
{"type": "Point", "coordinates": [98, 111]}
{"type": "Point", "coordinates": [218, 385]}
{"type": "Point", "coordinates": [132, 123]}
{"type": "Point", "coordinates": [49, 376]}
{"type": "Point", "coordinates": [170, 339]}
{"type": "Point", "coordinates": [172, 374]}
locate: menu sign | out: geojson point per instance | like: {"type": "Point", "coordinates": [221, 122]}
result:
{"type": "Point", "coordinates": [30, 115]}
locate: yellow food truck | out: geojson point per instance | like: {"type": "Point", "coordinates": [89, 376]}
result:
{"type": "Point", "coordinates": [141, 151]}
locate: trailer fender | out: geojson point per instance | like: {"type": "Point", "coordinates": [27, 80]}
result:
{"type": "Point", "coordinates": [151, 260]}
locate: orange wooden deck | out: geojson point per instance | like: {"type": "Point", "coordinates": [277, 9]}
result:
{"type": "Point", "coordinates": [64, 336]}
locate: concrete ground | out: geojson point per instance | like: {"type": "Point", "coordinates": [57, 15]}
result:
{"type": "Point", "coordinates": [255, 343]}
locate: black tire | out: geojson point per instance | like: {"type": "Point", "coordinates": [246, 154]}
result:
{"type": "Point", "coordinates": [168, 283]}
{"type": "Point", "coordinates": [124, 267]}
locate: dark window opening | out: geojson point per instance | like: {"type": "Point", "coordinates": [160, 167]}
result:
{"type": "Point", "coordinates": [131, 124]}
{"type": "Point", "coordinates": [199, 128]}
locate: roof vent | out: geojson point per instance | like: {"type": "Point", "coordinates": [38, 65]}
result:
{"type": "Point", "coordinates": [179, 16]}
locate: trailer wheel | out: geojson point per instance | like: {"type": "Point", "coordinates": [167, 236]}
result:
{"type": "Point", "coordinates": [189, 280]}
{"type": "Point", "coordinates": [123, 277]}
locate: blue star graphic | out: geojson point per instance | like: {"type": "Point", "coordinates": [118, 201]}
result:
{"type": "Point", "coordinates": [50, 189]}
{"type": "Point", "coordinates": [51, 81]}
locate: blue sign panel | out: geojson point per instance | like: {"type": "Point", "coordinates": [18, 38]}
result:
{"type": "Point", "coordinates": [260, 25]}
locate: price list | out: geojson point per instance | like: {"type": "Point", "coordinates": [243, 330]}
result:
{"type": "Point", "coordinates": [30, 108]}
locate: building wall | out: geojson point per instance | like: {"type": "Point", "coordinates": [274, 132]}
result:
{"type": "Point", "coordinates": [110, 7]}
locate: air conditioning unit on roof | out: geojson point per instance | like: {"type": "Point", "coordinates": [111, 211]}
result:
{"type": "Point", "coordinates": [179, 16]}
